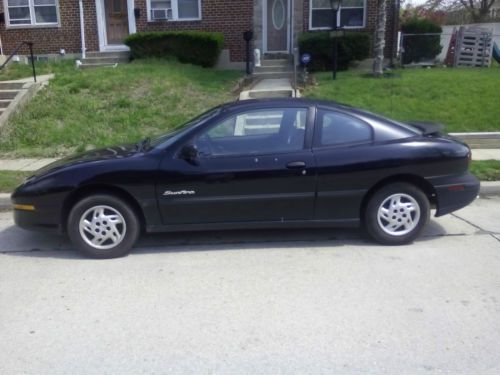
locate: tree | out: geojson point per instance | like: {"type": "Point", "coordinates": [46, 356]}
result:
{"type": "Point", "coordinates": [477, 9]}
{"type": "Point", "coordinates": [379, 45]}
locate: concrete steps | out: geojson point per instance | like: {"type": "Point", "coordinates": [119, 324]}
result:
{"type": "Point", "coordinates": [104, 59]}
{"type": "Point", "coordinates": [14, 94]}
{"type": "Point", "coordinates": [273, 67]}
{"type": "Point", "coordinates": [8, 91]}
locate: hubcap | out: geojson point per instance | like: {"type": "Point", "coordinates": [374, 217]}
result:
{"type": "Point", "coordinates": [102, 227]}
{"type": "Point", "coordinates": [398, 214]}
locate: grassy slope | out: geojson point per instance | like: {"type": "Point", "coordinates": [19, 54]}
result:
{"type": "Point", "coordinates": [9, 180]}
{"type": "Point", "coordinates": [91, 108]}
{"type": "Point", "coordinates": [462, 99]}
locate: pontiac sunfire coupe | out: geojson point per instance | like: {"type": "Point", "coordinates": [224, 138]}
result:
{"type": "Point", "coordinates": [255, 164]}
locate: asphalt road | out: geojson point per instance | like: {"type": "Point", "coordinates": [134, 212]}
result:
{"type": "Point", "coordinates": [257, 302]}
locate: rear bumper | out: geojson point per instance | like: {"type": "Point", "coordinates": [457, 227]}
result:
{"type": "Point", "coordinates": [454, 193]}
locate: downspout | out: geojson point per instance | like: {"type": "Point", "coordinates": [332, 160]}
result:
{"type": "Point", "coordinates": [292, 31]}
{"type": "Point", "coordinates": [82, 28]}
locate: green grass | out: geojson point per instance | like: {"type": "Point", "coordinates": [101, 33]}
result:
{"type": "Point", "coordinates": [19, 70]}
{"type": "Point", "coordinates": [486, 170]}
{"type": "Point", "coordinates": [9, 180]}
{"type": "Point", "coordinates": [82, 109]}
{"type": "Point", "coordinates": [463, 99]}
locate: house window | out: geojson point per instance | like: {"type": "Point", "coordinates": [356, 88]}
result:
{"type": "Point", "coordinates": [174, 10]}
{"type": "Point", "coordinates": [32, 12]}
{"type": "Point", "coordinates": [351, 14]}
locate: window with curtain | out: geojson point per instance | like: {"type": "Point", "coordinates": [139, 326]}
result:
{"type": "Point", "coordinates": [32, 12]}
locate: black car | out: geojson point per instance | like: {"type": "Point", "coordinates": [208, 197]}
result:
{"type": "Point", "coordinates": [255, 164]}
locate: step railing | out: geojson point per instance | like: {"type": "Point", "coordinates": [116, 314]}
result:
{"type": "Point", "coordinates": [30, 46]}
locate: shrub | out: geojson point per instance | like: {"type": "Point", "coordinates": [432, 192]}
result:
{"type": "Point", "coordinates": [195, 47]}
{"type": "Point", "coordinates": [420, 47]}
{"type": "Point", "coordinates": [352, 46]}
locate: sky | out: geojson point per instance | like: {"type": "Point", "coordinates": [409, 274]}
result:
{"type": "Point", "coordinates": [415, 2]}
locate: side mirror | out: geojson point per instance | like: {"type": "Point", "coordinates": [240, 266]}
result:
{"type": "Point", "coordinates": [189, 153]}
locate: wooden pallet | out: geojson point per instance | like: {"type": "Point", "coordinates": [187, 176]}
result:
{"type": "Point", "coordinates": [474, 45]}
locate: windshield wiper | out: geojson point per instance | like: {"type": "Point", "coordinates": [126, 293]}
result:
{"type": "Point", "coordinates": [143, 145]}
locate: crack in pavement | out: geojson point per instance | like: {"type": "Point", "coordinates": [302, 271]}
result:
{"type": "Point", "coordinates": [484, 231]}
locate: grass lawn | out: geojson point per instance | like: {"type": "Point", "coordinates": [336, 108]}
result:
{"type": "Point", "coordinates": [9, 180]}
{"type": "Point", "coordinates": [82, 109]}
{"type": "Point", "coordinates": [486, 170]}
{"type": "Point", "coordinates": [464, 100]}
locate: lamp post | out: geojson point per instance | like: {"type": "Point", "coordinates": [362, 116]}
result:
{"type": "Point", "coordinates": [335, 4]}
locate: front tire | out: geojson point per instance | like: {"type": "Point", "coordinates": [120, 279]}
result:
{"type": "Point", "coordinates": [103, 226]}
{"type": "Point", "coordinates": [397, 213]}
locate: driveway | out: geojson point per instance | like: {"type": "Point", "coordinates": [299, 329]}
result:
{"type": "Point", "coordinates": [257, 302]}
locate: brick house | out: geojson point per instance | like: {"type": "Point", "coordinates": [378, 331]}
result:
{"type": "Point", "coordinates": [101, 25]}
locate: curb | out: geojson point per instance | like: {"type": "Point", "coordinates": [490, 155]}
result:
{"type": "Point", "coordinates": [488, 189]}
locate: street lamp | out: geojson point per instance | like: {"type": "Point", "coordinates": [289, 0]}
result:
{"type": "Point", "coordinates": [335, 5]}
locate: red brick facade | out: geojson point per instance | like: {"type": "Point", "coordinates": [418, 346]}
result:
{"type": "Point", "coordinates": [370, 23]}
{"type": "Point", "coordinates": [231, 17]}
{"type": "Point", "coordinates": [49, 40]}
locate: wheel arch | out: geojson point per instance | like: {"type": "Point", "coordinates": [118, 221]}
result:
{"type": "Point", "coordinates": [415, 180]}
{"type": "Point", "coordinates": [89, 190]}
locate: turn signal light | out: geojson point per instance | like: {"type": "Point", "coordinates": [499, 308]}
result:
{"type": "Point", "coordinates": [24, 207]}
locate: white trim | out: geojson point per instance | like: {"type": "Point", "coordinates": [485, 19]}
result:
{"type": "Point", "coordinates": [32, 24]}
{"type": "Point", "coordinates": [264, 27]}
{"type": "Point", "coordinates": [131, 17]}
{"type": "Point", "coordinates": [175, 13]}
{"type": "Point", "coordinates": [102, 31]}
{"type": "Point", "coordinates": [82, 27]}
{"type": "Point", "coordinates": [365, 9]}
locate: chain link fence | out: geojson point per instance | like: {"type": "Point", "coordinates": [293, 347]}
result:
{"type": "Point", "coordinates": [456, 46]}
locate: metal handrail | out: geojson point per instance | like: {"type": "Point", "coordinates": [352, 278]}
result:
{"type": "Point", "coordinates": [30, 45]}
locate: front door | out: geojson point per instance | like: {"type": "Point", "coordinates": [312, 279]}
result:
{"type": "Point", "coordinates": [116, 21]}
{"type": "Point", "coordinates": [276, 25]}
{"type": "Point", "coordinates": [251, 167]}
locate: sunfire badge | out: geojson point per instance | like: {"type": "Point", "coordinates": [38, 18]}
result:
{"type": "Point", "coordinates": [179, 192]}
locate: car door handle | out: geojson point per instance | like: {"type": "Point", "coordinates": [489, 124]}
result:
{"type": "Point", "coordinates": [296, 165]}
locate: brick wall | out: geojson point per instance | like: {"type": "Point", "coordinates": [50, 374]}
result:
{"type": "Point", "coordinates": [51, 39]}
{"type": "Point", "coordinates": [371, 20]}
{"type": "Point", "coordinates": [231, 17]}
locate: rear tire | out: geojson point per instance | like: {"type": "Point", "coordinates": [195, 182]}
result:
{"type": "Point", "coordinates": [103, 226]}
{"type": "Point", "coordinates": [397, 213]}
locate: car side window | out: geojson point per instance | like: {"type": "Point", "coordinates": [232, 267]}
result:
{"type": "Point", "coordinates": [335, 128]}
{"type": "Point", "coordinates": [255, 132]}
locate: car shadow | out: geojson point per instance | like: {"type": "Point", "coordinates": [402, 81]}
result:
{"type": "Point", "coordinates": [15, 241]}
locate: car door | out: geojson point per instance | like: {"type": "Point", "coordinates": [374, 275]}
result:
{"type": "Point", "coordinates": [346, 162]}
{"type": "Point", "coordinates": [251, 166]}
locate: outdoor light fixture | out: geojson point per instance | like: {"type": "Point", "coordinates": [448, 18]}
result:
{"type": "Point", "coordinates": [335, 5]}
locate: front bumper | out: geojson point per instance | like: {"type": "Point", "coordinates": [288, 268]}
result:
{"type": "Point", "coordinates": [454, 193]}
{"type": "Point", "coordinates": [44, 219]}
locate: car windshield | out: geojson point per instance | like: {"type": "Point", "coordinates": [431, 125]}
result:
{"type": "Point", "coordinates": [193, 122]}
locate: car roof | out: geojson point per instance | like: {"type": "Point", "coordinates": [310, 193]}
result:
{"type": "Point", "coordinates": [281, 101]}
{"type": "Point", "coordinates": [256, 103]}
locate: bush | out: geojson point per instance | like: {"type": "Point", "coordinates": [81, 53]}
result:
{"type": "Point", "coordinates": [195, 47]}
{"type": "Point", "coordinates": [352, 46]}
{"type": "Point", "coordinates": [420, 47]}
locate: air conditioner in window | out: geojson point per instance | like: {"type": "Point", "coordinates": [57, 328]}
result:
{"type": "Point", "coordinates": [160, 14]}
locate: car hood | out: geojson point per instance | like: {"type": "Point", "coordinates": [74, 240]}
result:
{"type": "Point", "coordinates": [116, 152]}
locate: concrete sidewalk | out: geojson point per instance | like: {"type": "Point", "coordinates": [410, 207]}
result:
{"type": "Point", "coordinates": [24, 165]}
